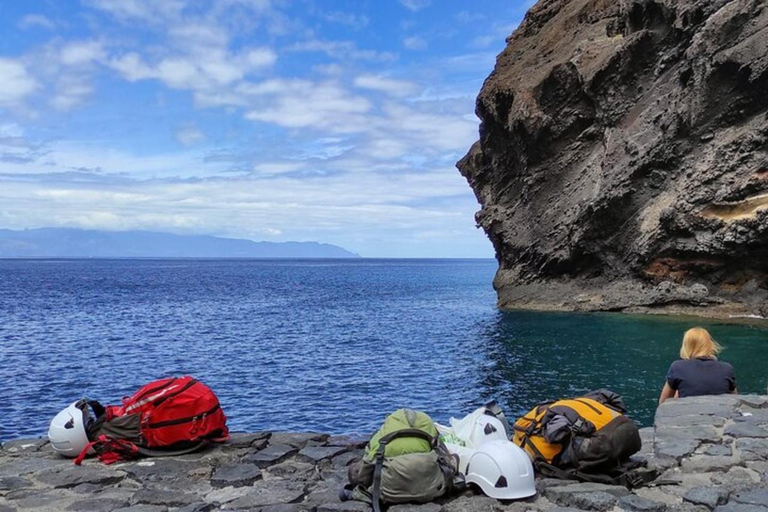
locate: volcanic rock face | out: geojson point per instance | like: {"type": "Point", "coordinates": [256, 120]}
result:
{"type": "Point", "coordinates": [623, 157]}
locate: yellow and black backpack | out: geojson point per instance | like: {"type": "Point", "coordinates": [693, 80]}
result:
{"type": "Point", "coordinates": [587, 438]}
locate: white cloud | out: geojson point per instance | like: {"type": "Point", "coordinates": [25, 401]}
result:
{"type": "Point", "coordinates": [415, 43]}
{"type": "Point", "coordinates": [387, 85]}
{"type": "Point", "coordinates": [305, 104]}
{"type": "Point", "coordinates": [416, 5]}
{"type": "Point", "coordinates": [190, 136]}
{"type": "Point", "coordinates": [82, 52]}
{"type": "Point", "coordinates": [71, 90]}
{"type": "Point", "coordinates": [36, 20]}
{"type": "Point", "coordinates": [16, 83]}
{"type": "Point", "coordinates": [355, 21]}
{"type": "Point", "coordinates": [342, 50]}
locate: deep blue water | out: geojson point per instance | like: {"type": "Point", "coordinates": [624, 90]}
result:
{"type": "Point", "coordinates": [319, 345]}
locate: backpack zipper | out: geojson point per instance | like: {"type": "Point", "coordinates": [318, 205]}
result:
{"type": "Point", "coordinates": [186, 387]}
{"type": "Point", "coordinates": [183, 420]}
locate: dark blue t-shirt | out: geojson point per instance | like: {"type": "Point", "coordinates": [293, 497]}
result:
{"type": "Point", "coordinates": [702, 376]}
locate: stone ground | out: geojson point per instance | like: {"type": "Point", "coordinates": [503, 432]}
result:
{"type": "Point", "coordinates": [713, 452]}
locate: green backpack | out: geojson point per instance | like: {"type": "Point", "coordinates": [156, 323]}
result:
{"type": "Point", "coordinates": [405, 461]}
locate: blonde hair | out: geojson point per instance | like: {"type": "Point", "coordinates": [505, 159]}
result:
{"type": "Point", "coordinates": [697, 342]}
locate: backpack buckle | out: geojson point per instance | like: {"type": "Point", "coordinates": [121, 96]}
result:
{"type": "Point", "coordinates": [634, 479]}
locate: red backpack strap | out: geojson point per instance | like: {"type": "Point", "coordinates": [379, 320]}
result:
{"type": "Point", "coordinates": [110, 450]}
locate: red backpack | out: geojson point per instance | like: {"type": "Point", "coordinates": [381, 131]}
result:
{"type": "Point", "coordinates": [166, 417]}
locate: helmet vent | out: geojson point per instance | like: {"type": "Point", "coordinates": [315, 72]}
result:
{"type": "Point", "coordinates": [489, 429]}
{"type": "Point", "coordinates": [70, 423]}
{"type": "Point", "coordinates": [501, 482]}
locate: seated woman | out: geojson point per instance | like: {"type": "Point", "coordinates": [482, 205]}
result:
{"type": "Point", "coordinates": [698, 372]}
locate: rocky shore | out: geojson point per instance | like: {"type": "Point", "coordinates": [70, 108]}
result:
{"type": "Point", "coordinates": [712, 453]}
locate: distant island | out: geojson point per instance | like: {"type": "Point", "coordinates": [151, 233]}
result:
{"type": "Point", "coordinates": [80, 243]}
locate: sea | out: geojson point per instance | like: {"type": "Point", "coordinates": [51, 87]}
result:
{"type": "Point", "coordinates": [321, 345]}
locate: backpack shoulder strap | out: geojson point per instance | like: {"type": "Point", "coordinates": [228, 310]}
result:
{"type": "Point", "coordinates": [407, 432]}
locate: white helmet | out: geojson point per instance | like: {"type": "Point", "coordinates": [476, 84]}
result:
{"type": "Point", "coordinates": [502, 470]}
{"type": "Point", "coordinates": [67, 432]}
{"type": "Point", "coordinates": [486, 428]}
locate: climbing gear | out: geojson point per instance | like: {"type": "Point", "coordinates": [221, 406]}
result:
{"type": "Point", "coordinates": [502, 470]}
{"type": "Point", "coordinates": [465, 435]}
{"type": "Point", "coordinates": [588, 435]}
{"type": "Point", "coordinates": [168, 417]}
{"type": "Point", "coordinates": [68, 429]}
{"type": "Point", "coordinates": [404, 461]}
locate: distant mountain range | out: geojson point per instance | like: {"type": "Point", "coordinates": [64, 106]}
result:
{"type": "Point", "coordinates": [79, 243]}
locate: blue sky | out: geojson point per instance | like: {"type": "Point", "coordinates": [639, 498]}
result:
{"type": "Point", "coordinates": [278, 120]}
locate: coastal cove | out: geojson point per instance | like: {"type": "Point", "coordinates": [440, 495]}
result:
{"type": "Point", "coordinates": [321, 345]}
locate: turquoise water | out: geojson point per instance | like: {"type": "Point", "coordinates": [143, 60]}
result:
{"type": "Point", "coordinates": [320, 345]}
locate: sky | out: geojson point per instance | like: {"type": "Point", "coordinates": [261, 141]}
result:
{"type": "Point", "coordinates": [302, 120]}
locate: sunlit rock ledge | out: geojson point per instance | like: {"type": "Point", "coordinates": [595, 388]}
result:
{"type": "Point", "coordinates": [712, 452]}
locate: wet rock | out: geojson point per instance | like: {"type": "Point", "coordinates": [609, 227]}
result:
{"type": "Point", "coordinates": [272, 454]}
{"type": "Point", "coordinates": [76, 475]}
{"type": "Point", "coordinates": [235, 475]}
{"type": "Point", "coordinates": [707, 496]}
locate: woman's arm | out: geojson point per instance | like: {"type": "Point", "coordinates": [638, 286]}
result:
{"type": "Point", "coordinates": [666, 393]}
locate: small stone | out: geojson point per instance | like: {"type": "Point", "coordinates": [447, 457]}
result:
{"type": "Point", "coordinates": [675, 449]}
{"type": "Point", "coordinates": [41, 500]}
{"type": "Point", "coordinates": [756, 401]}
{"type": "Point", "coordinates": [699, 433]}
{"type": "Point", "coordinates": [298, 440]}
{"type": "Point", "coordinates": [226, 494]}
{"type": "Point", "coordinates": [471, 504]}
{"type": "Point", "coordinates": [10, 483]}
{"type": "Point", "coordinates": [745, 430]}
{"type": "Point", "coordinates": [317, 453]}
{"type": "Point", "coordinates": [757, 497]}
{"type": "Point", "coordinates": [593, 500]}
{"type": "Point", "coordinates": [162, 497]}
{"type": "Point", "coordinates": [717, 450]}
{"type": "Point", "coordinates": [752, 449]}
{"type": "Point", "coordinates": [707, 496]}
{"type": "Point", "coordinates": [635, 503]}
{"type": "Point", "coordinates": [706, 464]}
{"type": "Point", "coordinates": [72, 476]}
{"type": "Point", "coordinates": [198, 507]}
{"type": "Point", "coordinates": [235, 475]}
{"type": "Point", "coordinates": [270, 455]}
{"type": "Point", "coordinates": [426, 507]}
{"type": "Point", "coordinates": [240, 440]}
{"type": "Point", "coordinates": [740, 507]}
{"type": "Point", "coordinates": [97, 505]}
{"type": "Point", "coordinates": [268, 492]}
{"type": "Point", "coordinates": [690, 420]}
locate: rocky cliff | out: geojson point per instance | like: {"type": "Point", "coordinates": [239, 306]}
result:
{"type": "Point", "coordinates": [623, 157]}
